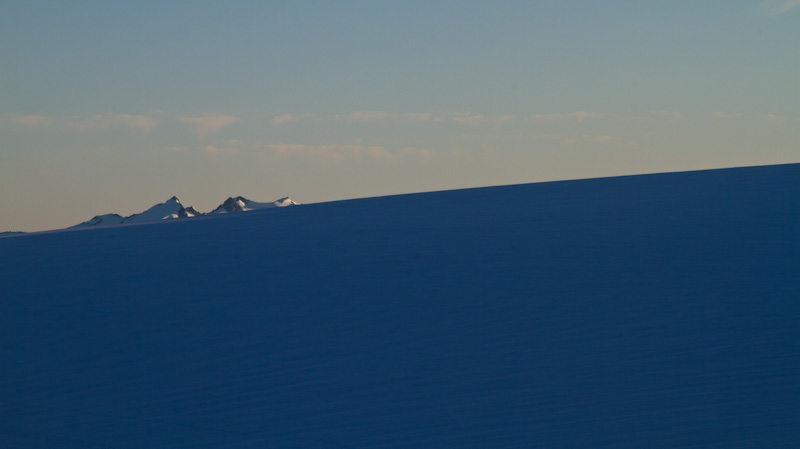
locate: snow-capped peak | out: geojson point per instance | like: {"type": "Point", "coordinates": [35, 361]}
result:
{"type": "Point", "coordinates": [286, 201]}
{"type": "Point", "coordinates": [172, 208]}
{"type": "Point", "coordinates": [158, 212]}
{"type": "Point", "coordinates": [242, 204]}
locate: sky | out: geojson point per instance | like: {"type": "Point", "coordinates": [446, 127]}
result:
{"type": "Point", "coordinates": [112, 107]}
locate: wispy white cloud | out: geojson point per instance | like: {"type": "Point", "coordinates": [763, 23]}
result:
{"type": "Point", "coordinates": [32, 121]}
{"type": "Point", "coordinates": [604, 139]}
{"type": "Point", "coordinates": [284, 119]}
{"type": "Point", "coordinates": [420, 117]}
{"type": "Point", "coordinates": [365, 116]}
{"type": "Point", "coordinates": [551, 116]}
{"type": "Point", "coordinates": [208, 123]}
{"type": "Point", "coordinates": [583, 114]}
{"type": "Point", "coordinates": [341, 153]}
{"type": "Point", "coordinates": [93, 123]}
{"type": "Point", "coordinates": [376, 116]}
{"type": "Point", "coordinates": [105, 121]}
{"type": "Point", "coordinates": [627, 118]}
{"type": "Point", "coordinates": [572, 140]}
{"type": "Point", "coordinates": [461, 118]}
{"type": "Point", "coordinates": [227, 147]}
{"type": "Point", "coordinates": [423, 154]}
{"type": "Point", "coordinates": [776, 7]}
{"type": "Point", "coordinates": [772, 117]}
{"type": "Point", "coordinates": [213, 149]}
{"type": "Point", "coordinates": [468, 119]}
{"type": "Point", "coordinates": [718, 114]}
{"type": "Point", "coordinates": [502, 120]}
{"type": "Point", "coordinates": [579, 115]}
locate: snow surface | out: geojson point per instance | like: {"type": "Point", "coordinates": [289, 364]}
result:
{"type": "Point", "coordinates": [101, 220]}
{"type": "Point", "coordinates": [655, 311]}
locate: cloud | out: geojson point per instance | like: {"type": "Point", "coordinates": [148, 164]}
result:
{"type": "Point", "coordinates": [627, 118]}
{"type": "Point", "coordinates": [284, 119]}
{"type": "Point", "coordinates": [503, 119]}
{"type": "Point", "coordinates": [470, 119]}
{"type": "Point", "coordinates": [580, 115]}
{"type": "Point", "coordinates": [208, 123]}
{"type": "Point", "coordinates": [227, 147]}
{"type": "Point", "coordinates": [420, 117]}
{"type": "Point", "coordinates": [467, 119]}
{"type": "Point", "coordinates": [32, 121]}
{"type": "Point", "coordinates": [364, 116]}
{"type": "Point", "coordinates": [540, 117]}
{"type": "Point", "coordinates": [460, 118]}
{"type": "Point", "coordinates": [718, 114]}
{"type": "Point", "coordinates": [341, 153]}
{"type": "Point", "coordinates": [776, 7]}
{"type": "Point", "coordinates": [376, 116]}
{"type": "Point", "coordinates": [571, 140]}
{"type": "Point", "coordinates": [93, 123]}
{"type": "Point", "coordinates": [773, 117]}
{"type": "Point", "coordinates": [105, 121]}
{"type": "Point", "coordinates": [604, 139]}
{"type": "Point", "coordinates": [583, 114]}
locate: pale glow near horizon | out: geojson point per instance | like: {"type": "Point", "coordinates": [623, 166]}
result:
{"type": "Point", "coordinates": [111, 109]}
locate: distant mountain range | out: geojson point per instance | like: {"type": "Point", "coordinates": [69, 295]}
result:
{"type": "Point", "coordinates": [172, 208]}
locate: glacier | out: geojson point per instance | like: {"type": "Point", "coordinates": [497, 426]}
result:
{"type": "Point", "coordinates": [656, 311]}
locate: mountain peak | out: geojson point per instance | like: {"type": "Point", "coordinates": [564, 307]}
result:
{"type": "Point", "coordinates": [233, 204]}
{"type": "Point", "coordinates": [101, 220]}
{"type": "Point", "coordinates": [286, 201]}
{"type": "Point", "coordinates": [172, 208]}
{"type": "Point", "coordinates": [242, 204]}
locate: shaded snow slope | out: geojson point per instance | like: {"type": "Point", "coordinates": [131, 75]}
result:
{"type": "Point", "coordinates": [101, 220]}
{"type": "Point", "coordinates": [654, 311]}
{"type": "Point", "coordinates": [10, 233]}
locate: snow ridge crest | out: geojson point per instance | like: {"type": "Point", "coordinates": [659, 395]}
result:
{"type": "Point", "coordinates": [172, 209]}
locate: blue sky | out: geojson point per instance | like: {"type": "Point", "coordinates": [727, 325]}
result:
{"type": "Point", "coordinates": [114, 106]}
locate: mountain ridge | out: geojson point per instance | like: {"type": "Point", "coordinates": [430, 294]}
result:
{"type": "Point", "coordinates": [174, 209]}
